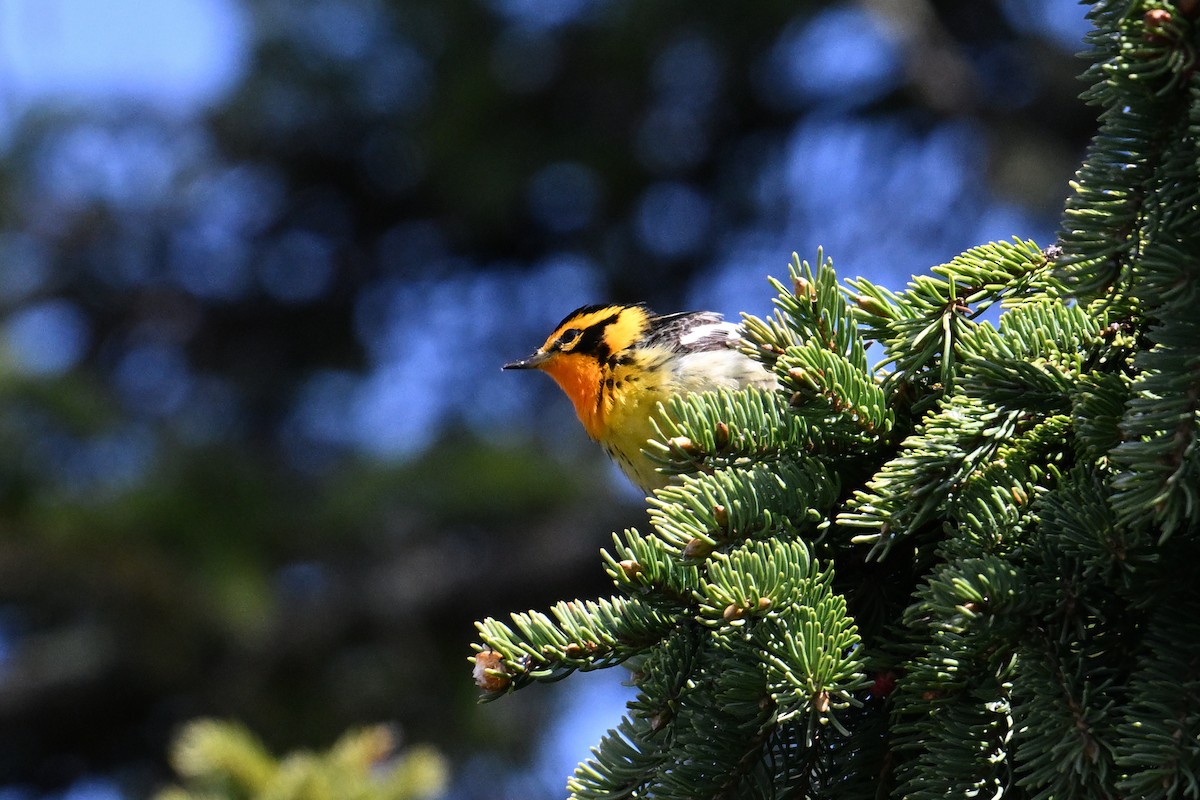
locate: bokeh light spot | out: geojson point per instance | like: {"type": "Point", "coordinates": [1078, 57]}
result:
{"type": "Point", "coordinates": [47, 338]}
{"type": "Point", "coordinates": [398, 80]}
{"type": "Point", "coordinates": [323, 407]}
{"type": "Point", "coordinates": [93, 788]}
{"type": "Point", "coordinates": [153, 378]}
{"type": "Point", "coordinates": [541, 14]}
{"type": "Point", "coordinates": [672, 138]}
{"type": "Point", "coordinates": [210, 263]}
{"type": "Point", "coordinates": [672, 220]}
{"type": "Point", "coordinates": [23, 265]}
{"type": "Point", "coordinates": [338, 30]}
{"type": "Point", "coordinates": [563, 197]}
{"type": "Point", "coordinates": [1064, 22]}
{"type": "Point", "coordinates": [297, 268]}
{"type": "Point", "coordinates": [688, 72]}
{"type": "Point", "coordinates": [840, 57]}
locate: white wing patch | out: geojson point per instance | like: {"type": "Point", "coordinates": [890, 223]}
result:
{"type": "Point", "coordinates": [711, 331]}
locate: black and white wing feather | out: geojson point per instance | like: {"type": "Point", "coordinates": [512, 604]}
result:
{"type": "Point", "coordinates": [694, 331]}
{"type": "Point", "coordinates": [707, 354]}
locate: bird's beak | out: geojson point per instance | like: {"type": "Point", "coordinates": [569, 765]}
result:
{"type": "Point", "coordinates": [532, 362]}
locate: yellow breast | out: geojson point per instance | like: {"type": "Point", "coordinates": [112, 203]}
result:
{"type": "Point", "coordinates": [633, 401]}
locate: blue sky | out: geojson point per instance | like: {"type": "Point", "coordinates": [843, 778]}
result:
{"type": "Point", "coordinates": [176, 54]}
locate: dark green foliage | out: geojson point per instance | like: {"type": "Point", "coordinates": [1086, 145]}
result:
{"type": "Point", "coordinates": [971, 574]}
{"type": "Point", "coordinates": [1158, 741]}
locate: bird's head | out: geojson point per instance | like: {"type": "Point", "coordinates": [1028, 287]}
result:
{"type": "Point", "coordinates": [582, 350]}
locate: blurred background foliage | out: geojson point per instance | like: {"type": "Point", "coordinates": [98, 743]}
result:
{"type": "Point", "coordinates": [224, 760]}
{"type": "Point", "coordinates": [260, 261]}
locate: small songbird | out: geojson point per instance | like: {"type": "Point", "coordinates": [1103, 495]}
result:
{"type": "Point", "coordinates": [618, 362]}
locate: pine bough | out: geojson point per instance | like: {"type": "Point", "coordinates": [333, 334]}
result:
{"type": "Point", "coordinates": [969, 571]}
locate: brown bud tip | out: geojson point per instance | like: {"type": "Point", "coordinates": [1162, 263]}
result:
{"type": "Point", "coordinates": [574, 650]}
{"type": "Point", "coordinates": [803, 289]}
{"type": "Point", "coordinates": [1157, 18]}
{"type": "Point", "coordinates": [489, 672]}
{"type": "Point", "coordinates": [683, 445]}
{"type": "Point", "coordinates": [821, 702]}
{"type": "Point", "coordinates": [870, 305]}
{"type": "Point", "coordinates": [721, 435]}
{"type": "Point", "coordinates": [733, 611]}
{"type": "Point", "coordinates": [631, 568]}
{"type": "Point", "coordinates": [764, 603]}
{"type": "Point", "coordinates": [697, 548]}
{"type": "Point", "coordinates": [660, 720]}
{"type": "Point", "coordinates": [721, 516]}
{"type": "Point", "coordinates": [803, 377]}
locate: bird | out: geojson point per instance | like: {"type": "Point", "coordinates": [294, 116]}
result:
{"type": "Point", "coordinates": [617, 364]}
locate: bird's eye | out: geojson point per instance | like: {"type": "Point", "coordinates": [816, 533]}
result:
{"type": "Point", "coordinates": [568, 338]}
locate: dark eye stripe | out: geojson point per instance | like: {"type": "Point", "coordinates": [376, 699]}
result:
{"type": "Point", "coordinates": [592, 339]}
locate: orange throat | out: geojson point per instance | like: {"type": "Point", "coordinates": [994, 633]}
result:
{"type": "Point", "coordinates": [581, 380]}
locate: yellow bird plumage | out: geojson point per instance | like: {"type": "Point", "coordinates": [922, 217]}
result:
{"type": "Point", "coordinates": [617, 363]}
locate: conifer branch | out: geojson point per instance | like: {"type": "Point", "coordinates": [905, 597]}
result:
{"type": "Point", "coordinates": [967, 571]}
